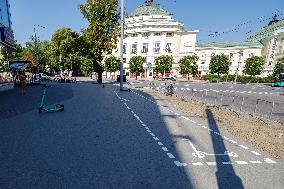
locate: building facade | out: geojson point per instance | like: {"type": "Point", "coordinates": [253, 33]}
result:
{"type": "Point", "coordinates": [6, 44]}
{"type": "Point", "coordinates": [151, 31]}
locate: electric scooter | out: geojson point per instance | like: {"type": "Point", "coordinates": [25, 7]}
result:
{"type": "Point", "coordinates": [52, 108]}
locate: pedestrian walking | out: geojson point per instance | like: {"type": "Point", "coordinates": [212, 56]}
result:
{"type": "Point", "coordinates": [23, 82]}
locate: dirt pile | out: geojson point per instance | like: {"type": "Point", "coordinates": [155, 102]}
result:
{"type": "Point", "coordinates": [264, 135]}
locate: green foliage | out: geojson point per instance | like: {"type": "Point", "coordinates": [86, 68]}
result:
{"type": "Point", "coordinates": [163, 63]}
{"type": "Point", "coordinates": [102, 33]}
{"type": "Point", "coordinates": [17, 54]}
{"type": "Point", "coordinates": [241, 79]}
{"type": "Point", "coordinates": [219, 64]}
{"type": "Point", "coordinates": [187, 65]}
{"type": "Point", "coordinates": [254, 65]}
{"type": "Point", "coordinates": [279, 67]}
{"type": "Point", "coordinates": [66, 44]}
{"type": "Point", "coordinates": [112, 64]}
{"type": "Point", "coordinates": [136, 65]}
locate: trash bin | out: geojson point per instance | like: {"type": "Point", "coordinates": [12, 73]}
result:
{"type": "Point", "coordinates": [118, 78]}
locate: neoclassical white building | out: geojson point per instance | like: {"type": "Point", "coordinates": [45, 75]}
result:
{"type": "Point", "coordinates": [151, 31]}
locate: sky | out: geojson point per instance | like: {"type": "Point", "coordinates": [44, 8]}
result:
{"type": "Point", "coordinates": [238, 19]}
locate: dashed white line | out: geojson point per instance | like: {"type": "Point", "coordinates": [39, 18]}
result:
{"type": "Point", "coordinates": [155, 138]}
{"type": "Point", "coordinates": [232, 141]}
{"type": "Point", "coordinates": [211, 163]}
{"type": "Point", "coordinates": [256, 162]}
{"type": "Point", "coordinates": [152, 134]}
{"type": "Point", "coordinates": [160, 144]}
{"type": "Point", "coordinates": [241, 162]}
{"type": "Point", "coordinates": [197, 163]}
{"type": "Point", "coordinates": [165, 149]}
{"type": "Point", "coordinates": [267, 160]}
{"type": "Point", "coordinates": [256, 153]}
{"type": "Point", "coordinates": [171, 155]}
{"type": "Point", "coordinates": [179, 164]}
{"type": "Point", "coordinates": [227, 163]}
{"type": "Point", "coordinates": [244, 147]}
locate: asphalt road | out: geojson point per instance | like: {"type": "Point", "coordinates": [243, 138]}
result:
{"type": "Point", "coordinates": [111, 139]}
{"type": "Point", "coordinates": [258, 100]}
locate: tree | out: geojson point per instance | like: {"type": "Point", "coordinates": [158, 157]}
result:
{"type": "Point", "coordinates": [163, 64]}
{"type": "Point", "coordinates": [279, 67]}
{"type": "Point", "coordinates": [102, 32]}
{"type": "Point", "coordinates": [253, 66]}
{"type": "Point", "coordinates": [65, 46]}
{"type": "Point", "coordinates": [112, 64]}
{"type": "Point", "coordinates": [219, 64]}
{"type": "Point", "coordinates": [188, 65]}
{"type": "Point", "coordinates": [17, 53]}
{"type": "Point", "coordinates": [136, 65]}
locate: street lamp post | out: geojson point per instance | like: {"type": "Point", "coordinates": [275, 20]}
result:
{"type": "Point", "coordinates": [121, 44]}
{"type": "Point", "coordinates": [36, 49]}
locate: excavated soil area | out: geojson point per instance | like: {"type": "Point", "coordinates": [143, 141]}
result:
{"type": "Point", "coordinates": [264, 135]}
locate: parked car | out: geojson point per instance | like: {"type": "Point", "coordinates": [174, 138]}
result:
{"type": "Point", "coordinates": [42, 77]}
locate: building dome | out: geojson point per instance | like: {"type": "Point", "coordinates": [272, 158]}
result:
{"type": "Point", "coordinates": [273, 28]}
{"type": "Point", "coordinates": [150, 8]}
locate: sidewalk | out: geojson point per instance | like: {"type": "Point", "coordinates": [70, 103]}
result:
{"type": "Point", "coordinates": [13, 103]}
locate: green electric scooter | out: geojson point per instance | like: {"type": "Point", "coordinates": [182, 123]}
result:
{"type": "Point", "coordinates": [49, 109]}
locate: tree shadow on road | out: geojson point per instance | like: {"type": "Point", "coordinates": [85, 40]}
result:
{"type": "Point", "coordinates": [225, 175]}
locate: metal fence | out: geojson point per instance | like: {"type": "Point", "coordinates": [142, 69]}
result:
{"type": "Point", "coordinates": [257, 107]}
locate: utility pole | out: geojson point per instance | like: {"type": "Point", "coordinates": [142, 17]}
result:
{"type": "Point", "coordinates": [237, 71]}
{"type": "Point", "coordinates": [121, 44]}
{"type": "Point", "coordinates": [36, 49]}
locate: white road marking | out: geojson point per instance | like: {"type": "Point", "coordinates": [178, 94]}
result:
{"type": "Point", "coordinates": [177, 114]}
{"type": "Point", "coordinates": [197, 163]}
{"type": "Point", "coordinates": [149, 131]}
{"type": "Point", "coordinates": [147, 128]}
{"type": "Point", "coordinates": [171, 155]}
{"type": "Point", "coordinates": [152, 134]}
{"type": "Point", "coordinates": [232, 141]}
{"type": "Point", "coordinates": [241, 162]}
{"type": "Point", "coordinates": [160, 144]}
{"type": "Point", "coordinates": [155, 138]}
{"type": "Point", "coordinates": [179, 164]}
{"type": "Point", "coordinates": [211, 163]}
{"type": "Point", "coordinates": [256, 153]}
{"type": "Point", "coordinates": [205, 127]}
{"type": "Point", "coordinates": [267, 160]}
{"type": "Point", "coordinates": [244, 147]}
{"type": "Point", "coordinates": [165, 149]}
{"type": "Point", "coordinates": [226, 138]}
{"type": "Point", "coordinates": [256, 162]}
{"type": "Point", "coordinates": [193, 121]}
{"type": "Point", "coordinates": [227, 163]}
{"type": "Point", "coordinates": [144, 125]}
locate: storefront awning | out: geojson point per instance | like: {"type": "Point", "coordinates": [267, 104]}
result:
{"type": "Point", "coordinates": [19, 65]}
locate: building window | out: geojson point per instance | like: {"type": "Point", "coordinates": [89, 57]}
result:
{"type": "Point", "coordinates": [157, 34]}
{"type": "Point", "coordinates": [168, 48]}
{"type": "Point", "coordinates": [251, 54]}
{"type": "Point", "coordinates": [127, 73]}
{"type": "Point", "coordinates": [170, 34]}
{"type": "Point", "coordinates": [124, 60]}
{"type": "Point", "coordinates": [124, 49]}
{"type": "Point", "coordinates": [212, 54]}
{"type": "Point", "coordinates": [203, 55]}
{"type": "Point", "coordinates": [145, 34]}
{"type": "Point", "coordinates": [157, 47]}
{"type": "Point", "coordinates": [134, 35]}
{"type": "Point", "coordinates": [145, 48]}
{"type": "Point", "coordinates": [134, 49]}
